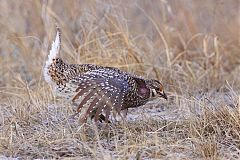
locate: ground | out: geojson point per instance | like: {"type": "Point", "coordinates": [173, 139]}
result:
{"type": "Point", "coordinates": [191, 46]}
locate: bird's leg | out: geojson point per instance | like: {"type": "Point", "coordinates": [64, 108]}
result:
{"type": "Point", "coordinates": [101, 118]}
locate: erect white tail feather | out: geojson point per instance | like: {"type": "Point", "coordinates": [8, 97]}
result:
{"type": "Point", "coordinates": [52, 55]}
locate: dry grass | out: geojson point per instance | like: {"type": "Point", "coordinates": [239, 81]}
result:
{"type": "Point", "coordinates": [191, 46]}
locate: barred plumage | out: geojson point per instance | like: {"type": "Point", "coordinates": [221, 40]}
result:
{"type": "Point", "coordinates": [96, 89]}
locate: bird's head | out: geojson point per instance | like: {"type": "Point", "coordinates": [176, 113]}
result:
{"type": "Point", "coordinates": [156, 89]}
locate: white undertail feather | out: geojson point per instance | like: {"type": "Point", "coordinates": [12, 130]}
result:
{"type": "Point", "coordinates": [52, 55]}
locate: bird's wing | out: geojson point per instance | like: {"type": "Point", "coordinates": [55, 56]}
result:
{"type": "Point", "coordinates": [99, 92]}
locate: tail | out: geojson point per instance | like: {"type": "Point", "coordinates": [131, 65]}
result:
{"type": "Point", "coordinates": [56, 45]}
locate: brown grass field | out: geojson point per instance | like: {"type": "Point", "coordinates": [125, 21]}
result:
{"type": "Point", "coordinates": [191, 46]}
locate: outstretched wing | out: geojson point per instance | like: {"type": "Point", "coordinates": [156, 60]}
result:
{"type": "Point", "coordinates": [99, 92]}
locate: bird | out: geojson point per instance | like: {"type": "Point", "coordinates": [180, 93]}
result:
{"type": "Point", "coordinates": [97, 91]}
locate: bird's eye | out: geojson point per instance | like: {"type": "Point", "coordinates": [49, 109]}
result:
{"type": "Point", "coordinates": [159, 90]}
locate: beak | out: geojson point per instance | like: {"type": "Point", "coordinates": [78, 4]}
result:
{"type": "Point", "coordinates": [164, 95]}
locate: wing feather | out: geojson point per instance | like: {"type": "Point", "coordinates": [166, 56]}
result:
{"type": "Point", "coordinates": [100, 93]}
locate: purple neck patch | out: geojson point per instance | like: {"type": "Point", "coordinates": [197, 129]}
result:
{"type": "Point", "coordinates": [144, 92]}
